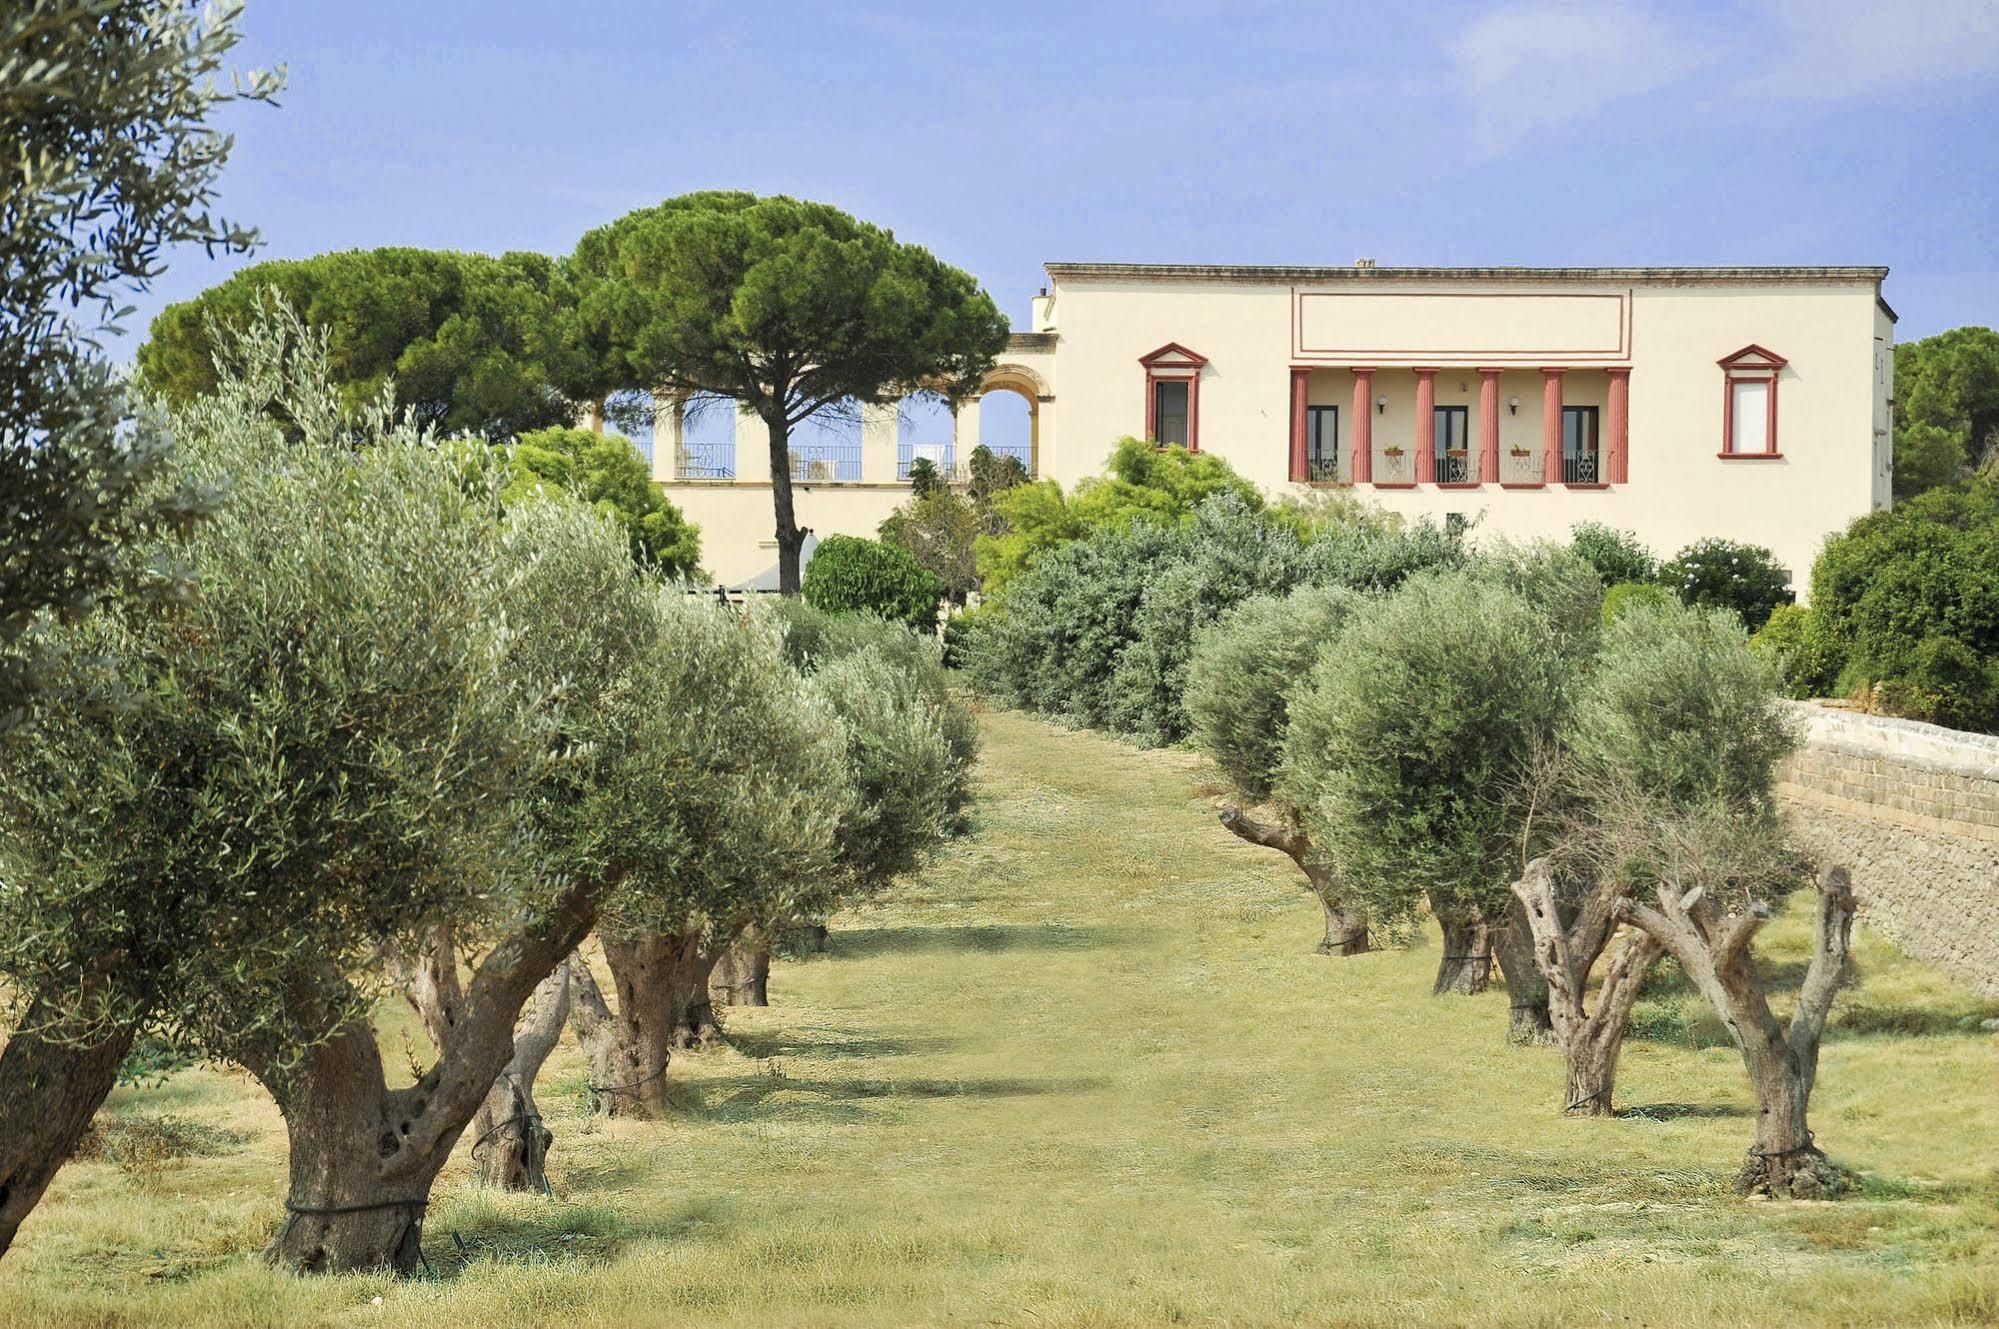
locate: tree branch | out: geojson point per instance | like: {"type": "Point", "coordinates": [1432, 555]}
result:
{"type": "Point", "coordinates": [1832, 958]}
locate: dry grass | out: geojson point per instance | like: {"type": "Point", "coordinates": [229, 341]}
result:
{"type": "Point", "coordinates": [1089, 1071]}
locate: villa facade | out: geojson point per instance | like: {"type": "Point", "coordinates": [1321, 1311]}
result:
{"type": "Point", "coordinates": [1750, 403]}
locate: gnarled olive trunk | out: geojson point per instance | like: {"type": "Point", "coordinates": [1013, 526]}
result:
{"type": "Point", "coordinates": [54, 1075]}
{"type": "Point", "coordinates": [363, 1156]}
{"type": "Point", "coordinates": [1713, 948]}
{"type": "Point", "coordinates": [661, 985]}
{"type": "Point", "coordinates": [742, 974]}
{"type": "Point", "coordinates": [1346, 928]}
{"type": "Point", "coordinates": [510, 1143]}
{"type": "Point", "coordinates": [1565, 945]}
{"type": "Point", "coordinates": [1527, 1019]}
{"type": "Point", "coordinates": [1465, 969]}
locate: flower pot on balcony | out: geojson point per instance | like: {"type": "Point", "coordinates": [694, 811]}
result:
{"type": "Point", "coordinates": [1391, 452]}
{"type": "Point", "coordinates": [1521, 452]}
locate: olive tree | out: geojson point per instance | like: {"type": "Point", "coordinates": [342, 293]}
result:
{"type": "Point", "coordinates": [1244, 670]}
{"type": "Point", "coordinates": [1407, 749]}
{"type": "Point", "coordinates": [909, 752]}
{"type": "Point", "coordinates": [312, 757]}
{"type": "Point", "coordinates": [110, 163]}
{"type": "Point", "coordinates": [1677, 719]}
{"type": "Point", "coordinates": [792, 309]}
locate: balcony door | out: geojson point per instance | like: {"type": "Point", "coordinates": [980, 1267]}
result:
{"type": "Point", "coordinates": [1451, 433]}
{"type": "Point", "coordinates": [1581, 461]}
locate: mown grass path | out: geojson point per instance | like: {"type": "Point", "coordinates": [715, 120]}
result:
{"type": "Point", "coordinates": [1089, 1071]}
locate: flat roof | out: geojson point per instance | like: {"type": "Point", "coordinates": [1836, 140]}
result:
{"type": "Point", "coordinates": [1269, 273]}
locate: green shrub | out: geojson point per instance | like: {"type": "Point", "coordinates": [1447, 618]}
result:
{"type": "Point", "coordinates": [1729, 575]}
{"type": "Point", "coordinates": [1617, 556]}
{"type": "Point", "coordinates": [1628, 594]}
{"type": "Point", "coordinates": [849, 575]}
{"type": "Point", "coordinates": [1796, 642]}
{"type": "Point", "coordinates": [1908, 599]}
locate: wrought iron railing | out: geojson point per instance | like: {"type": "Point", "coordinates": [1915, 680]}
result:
{"type": "Point", "coordinates": [1520, 466]}
{"type": "Point", "coordinates": [1394, 466]}
{"type": "Point", "coordinates": [826, 461]}
{"type": "Point", "coordinates": [1322, 470]}
{"type": "Point", "coordinates": [1457, 468]}
{"type": "Point", "coordinates": [706, 461]}
{"type": "Point", "coordinates": [1580, 469]}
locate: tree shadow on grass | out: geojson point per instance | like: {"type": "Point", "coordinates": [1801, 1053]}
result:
{"type": "Point", "coordinates": [766, 1093]}
{"type": "Point", "coordinates": [1683, 1111]}
{"type": "Point", "coordinates": [831, 1044]}
{"type": "Point", "coordinates": [486, 1229]}
{"type": "Point", "coordinates": [860, 943]}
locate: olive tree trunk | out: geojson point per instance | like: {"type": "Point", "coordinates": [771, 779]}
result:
{"type": "Point", "coordinates": [510, 1142]}
{"type": "Point", "coordinates": [1565, 954]}
{"type": "Point", "coordinates": [1346, 928]}
{"type": "Point", "coordinates": [1527, 1018]}
{"type": "Point", "coordinates": [661, 984]}
{"type": "Point", "coordinates": [1465, 969]}
{"type": "Point", "coordinates": [54, 1074]}
{"type": "Point", "coordinates": [1712, 946]}
{"type": "Point", "coordinates": [363, 1156]}
{"type": "Point", "coordinates": [742, 974]}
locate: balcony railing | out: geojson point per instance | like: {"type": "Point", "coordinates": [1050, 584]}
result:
{"type": "Point", "coordinates": [1580, 469]}
{"type": "Point", "coordinates": [1457, 468]}
{"type": "Point", "coordinates": [714, 461]}
{"type": "Point", "coordinates": [1519, 466]}
{"type": "Point", "coordinates": [826, 461]}
{"type": "Point", "coordinates": [953, 468]}
{"type": "Point", "coordinates": [1322, 470]}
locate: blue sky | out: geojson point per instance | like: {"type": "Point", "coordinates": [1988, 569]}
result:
{"type": "Point", "coordinates": [1526, 131]}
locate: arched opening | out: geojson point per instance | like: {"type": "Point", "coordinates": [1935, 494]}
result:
{"type": "Point", "coordinates": [925, 430]}
{"type": "Point", "coordinates": [1009, 415]}
{"type": "Point", "coordinates": [707, 439]}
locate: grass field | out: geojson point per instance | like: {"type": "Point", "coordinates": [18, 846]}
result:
{"type": "Point", "coordinates": [1089, 1071]}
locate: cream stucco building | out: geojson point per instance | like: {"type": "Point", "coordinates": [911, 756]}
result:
{"type": "Point", "coordinates": [1750, 403]}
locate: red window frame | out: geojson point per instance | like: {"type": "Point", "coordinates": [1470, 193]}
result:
{"type": "Point", "coordinates": [1174, 363]}
{"type": "Point", "coordinates": [1751, 364]}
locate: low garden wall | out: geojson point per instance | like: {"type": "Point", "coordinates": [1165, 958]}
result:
{"type": "Point", "coordinates": [1913, 810]}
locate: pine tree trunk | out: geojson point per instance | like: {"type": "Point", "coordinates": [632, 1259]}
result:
{"type": "Point", "coordinates": [790, 538]}
{"type": "Point", "coordinates": [53, 1078]}
{"type": "Point", "coordinates": [742, 975]}
{"type": "Point", "coordinates": [1526, 991]}
{"type": "Point", "coordinates": [1465, 969]}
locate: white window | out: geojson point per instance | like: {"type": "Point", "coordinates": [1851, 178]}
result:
{"type": "Point", "coordinates": [1749, 416]}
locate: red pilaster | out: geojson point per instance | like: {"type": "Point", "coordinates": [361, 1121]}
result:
{"type": "Point", "coordinates": [1426, 426]}
{"type": "Point", "coordinates": [1551, 426]}
{"type": "Point", "coordinates": [1488, 426]}
{"type": "Point", "coordinates": [1363, 426]}
{"type": "Point", "coordinates": [1618, 442]}
{"type": "Point", "coordinates": [1301, 395]}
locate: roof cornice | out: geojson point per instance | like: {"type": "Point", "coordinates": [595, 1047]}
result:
{"type": "Point", "coordinates": [1253, 274]}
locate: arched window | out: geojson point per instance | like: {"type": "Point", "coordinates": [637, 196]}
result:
{"type": "Point", "coordinates": [1749, 403]}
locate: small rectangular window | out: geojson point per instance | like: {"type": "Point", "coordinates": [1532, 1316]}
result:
{"type": "Point", "coordinates": [1322, 443]}
{"type": "Point", "coordinates": [1169, 412]}
{"type": "Point", "coordinates": [1749, 415]}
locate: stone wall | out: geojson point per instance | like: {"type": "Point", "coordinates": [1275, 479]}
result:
{"type": "Point", "coordinates": [1913, 809]}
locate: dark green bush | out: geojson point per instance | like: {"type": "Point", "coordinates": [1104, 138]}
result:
{"type": "Point", "coordinates": [1729, 575]}
{"type": "Point", "coordinates": [1795, 640]}
{"type": "Point", "coordinates": [849, 575]}
{"type": "Point", "coordinates": [1617, 556]}
{"type": "Point", "coordinates": [1909, 599]}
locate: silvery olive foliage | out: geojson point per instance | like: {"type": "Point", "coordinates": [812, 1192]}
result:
{"type": "Point", "coordinates": [1411, 745]}
{"type": "Point", "coordinates": [1244, 669]}
{"type": "Point", "coordinates": [106, 161]}
{"type": "Point", "coordinates": [315, 749]}
{"type": "Point", "coordinates": [749, 760]}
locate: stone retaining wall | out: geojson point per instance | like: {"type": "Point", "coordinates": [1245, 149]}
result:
{"type": "Point", "coordinates": [1913, 809]}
